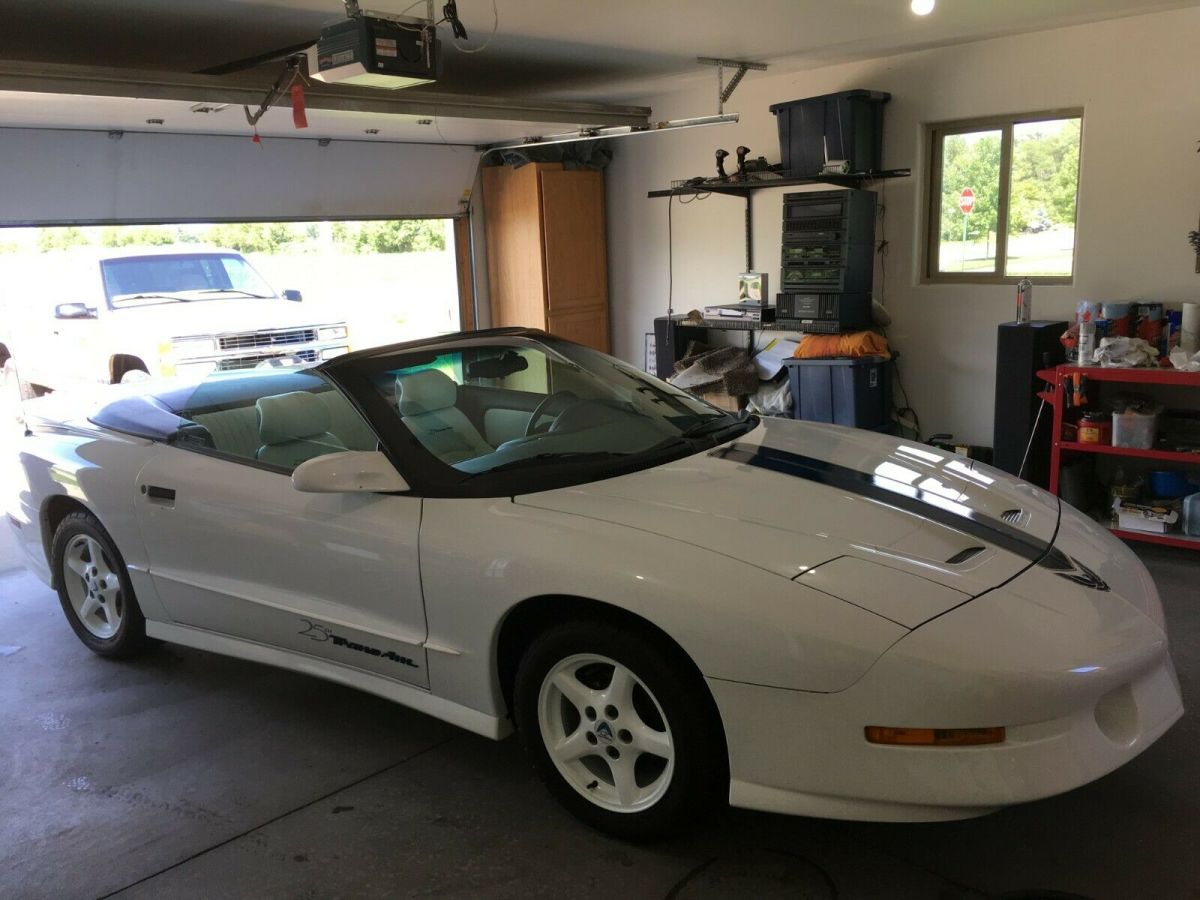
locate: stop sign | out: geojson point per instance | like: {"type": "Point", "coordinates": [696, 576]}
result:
{"type": "Point", "coordinates": [966, 201]}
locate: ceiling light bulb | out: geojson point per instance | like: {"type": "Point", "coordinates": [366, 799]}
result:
{"type": "Point", "coordinates": [922, 7]}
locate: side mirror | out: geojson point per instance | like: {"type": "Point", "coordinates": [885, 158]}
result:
{"type": "Point", "coordinates": [294, 296]}
{"type": "Point", "coordinates": [74, 311]}
{"type": "Point", "coordinates": [354, 471]}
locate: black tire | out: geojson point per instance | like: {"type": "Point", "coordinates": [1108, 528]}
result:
{"type": "Point", "coordinates": [129, 638]}
{"type": "Point", "coordinates": [123, 365]}
{"type": "Point", "coordinates": [699, 782]}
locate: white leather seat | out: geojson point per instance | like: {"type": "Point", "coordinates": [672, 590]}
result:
{"type": "Point", "coordinates": [427, 407]}
{"type": "Point", "coordinates": [293, 428]}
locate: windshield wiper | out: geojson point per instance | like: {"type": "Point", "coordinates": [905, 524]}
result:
{"type": "Point", "coordinates": [542, 458]}
{"type": "Point", "coordinates": [709, 426]}
{"type": "Point", "coordinates": [122, 298]}
{"type": "Point", "coordinates": [235, 291]}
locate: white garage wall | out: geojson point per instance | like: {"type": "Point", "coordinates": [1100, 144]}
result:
{"type": "Point", "coordinates": [1138, 80]}
{"type": "Point", "coordinates": [72, 176]}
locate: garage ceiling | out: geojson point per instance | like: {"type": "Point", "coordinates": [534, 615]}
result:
{"type": "Point", "coordinates": [554, 63]}
{"type": "Point", "coordinates": [601, 51]}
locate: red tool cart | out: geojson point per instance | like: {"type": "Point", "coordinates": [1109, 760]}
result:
{"type": "Point", "coordinates": [1061, 379]}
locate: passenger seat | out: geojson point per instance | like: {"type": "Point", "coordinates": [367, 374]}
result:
{"type": "Point", "coordinates": [294, 428]}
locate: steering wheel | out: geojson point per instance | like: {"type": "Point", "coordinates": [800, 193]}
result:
{"type": "Point", "coordinates": [540, 410]}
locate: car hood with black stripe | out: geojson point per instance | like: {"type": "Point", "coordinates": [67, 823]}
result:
{"type": "Point", "coordinates": [793, 497]}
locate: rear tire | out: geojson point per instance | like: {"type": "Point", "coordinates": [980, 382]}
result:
{"type": "Point", "coordinates": [94, 588]}
{"type": "Point", "coordinates": [621, 729]}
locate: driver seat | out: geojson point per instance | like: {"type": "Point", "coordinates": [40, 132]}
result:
{"type": "Point", "coordinates": [427, 401]}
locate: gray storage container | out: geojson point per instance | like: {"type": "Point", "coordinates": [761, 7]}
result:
{"type": "Point", "coordinates": [855, 392]}
{"type": "Point", "coordinates": [847, 125]}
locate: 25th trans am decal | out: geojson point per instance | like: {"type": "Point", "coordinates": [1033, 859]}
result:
{"type": "Point", "coordinates": [321, 634]}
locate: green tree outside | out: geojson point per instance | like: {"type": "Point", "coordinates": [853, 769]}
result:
{"type": "Point", "coordinates": [61, 238]}
{"type": "Point", "coordinates": [252, 237]}
{"type": "Point", "coordinates": [394, 236]}
{"type": "Point", "coordinates": [1045, 174]}
{"type": "Point", "coordinates": [138, 236]}
{"type": "Point", "coordinates": [971, 164]}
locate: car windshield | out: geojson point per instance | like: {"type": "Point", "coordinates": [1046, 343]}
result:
{"type": "Point", "coordinates": [515, 403]}
{"type": "Point", "coordinates": [180, 278]}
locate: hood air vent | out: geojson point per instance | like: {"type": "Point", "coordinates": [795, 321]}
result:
{"type": "Point", "coordinates": [1012, 516]}
{"type": "Point", "coordinates": [963, 555]}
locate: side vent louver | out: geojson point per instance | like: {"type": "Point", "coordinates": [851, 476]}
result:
{"type": "Point", "coordinates": [963, 555]}
{"type": "Point", "coordinates": [1011, 516]}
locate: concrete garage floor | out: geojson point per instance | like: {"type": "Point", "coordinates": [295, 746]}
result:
{"type": "Point", "coordinates": [186, 774]}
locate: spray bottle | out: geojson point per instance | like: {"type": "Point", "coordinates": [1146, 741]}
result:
{"type": "Point", "coordinates": [1024, 301]}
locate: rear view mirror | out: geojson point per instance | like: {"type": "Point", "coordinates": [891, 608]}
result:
{"type": "Point", "coordinates": [354, 471]}
{"type": "Point", "coordinates": [508, 363]}
{"type": "Point", "coordinates": [74, 311]}
{"type": "Point", "coordinates": [294, 296]}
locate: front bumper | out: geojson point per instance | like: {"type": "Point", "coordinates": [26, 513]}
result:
{"type": "Point", "coordinates": [1082, 680]}
{"type": "Point", "coordinates": [804, 754]}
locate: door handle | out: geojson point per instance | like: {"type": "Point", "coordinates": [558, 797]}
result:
{"type": "Point", "coordinates": [159, 494]}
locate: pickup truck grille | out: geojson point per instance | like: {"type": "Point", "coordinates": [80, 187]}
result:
{"type": "Point", "coordinates": [253, 340]}
{"type": "Point", "coordinates": [249, 361]}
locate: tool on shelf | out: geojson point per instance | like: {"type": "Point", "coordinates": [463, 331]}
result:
{"type": "Point", "coordinates": [721, 154]}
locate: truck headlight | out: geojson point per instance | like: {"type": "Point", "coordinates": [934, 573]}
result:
{"type": "Point", "coordinates": [331, 352]}
{"type": "Point", "coordinates": [332, 333]}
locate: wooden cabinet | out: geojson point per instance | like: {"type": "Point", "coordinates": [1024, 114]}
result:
{"type": "Point", "coordinates": [547, 255]}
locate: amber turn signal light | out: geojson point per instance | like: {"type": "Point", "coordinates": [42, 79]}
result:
{"type": "Point", "coordinates": [934, 737]}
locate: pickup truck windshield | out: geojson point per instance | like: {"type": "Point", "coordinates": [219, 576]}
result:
{"type": "Point", "coordinates": [179, 278]}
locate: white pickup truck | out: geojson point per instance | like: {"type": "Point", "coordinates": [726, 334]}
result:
{"type": "Point", "coordinates": [118, 315]}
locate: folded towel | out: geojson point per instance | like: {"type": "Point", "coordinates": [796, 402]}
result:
{"type": "Point", "coordinates": [854, 343]}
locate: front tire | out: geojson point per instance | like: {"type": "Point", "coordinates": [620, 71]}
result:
{"type": "Point", "coordinates": [94, 588]}
{"type": "Point", "coordinates": [621, 729]}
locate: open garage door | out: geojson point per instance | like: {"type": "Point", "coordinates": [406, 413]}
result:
{"type": "Point", "coordinates": [70, 176]}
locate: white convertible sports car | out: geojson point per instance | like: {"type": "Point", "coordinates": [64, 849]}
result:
{"type": "Point", "coordinates": [673, 605]}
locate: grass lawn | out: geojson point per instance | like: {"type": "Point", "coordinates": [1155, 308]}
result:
{"type": "Point", "coordinates": [1047, 253]}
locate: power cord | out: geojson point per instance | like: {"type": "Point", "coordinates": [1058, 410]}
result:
{"type": "Point", "coordinates": [675, 192]}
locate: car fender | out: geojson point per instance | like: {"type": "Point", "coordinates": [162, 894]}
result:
{"type": "Point", "coordinates": [481, 558]}
{"type": "Point", "coordinates": [98, 474]}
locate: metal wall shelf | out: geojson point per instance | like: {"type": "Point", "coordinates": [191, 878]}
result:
{"type": "Point", "coordinates": [745, 188]}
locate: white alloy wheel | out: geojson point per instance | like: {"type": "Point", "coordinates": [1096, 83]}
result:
{"type": "Point", "coordinates": [606, 733]}
{"type": "Point", "coordinates": [132, 376]}
{"type": "Point", "coordinates": [93, 587]}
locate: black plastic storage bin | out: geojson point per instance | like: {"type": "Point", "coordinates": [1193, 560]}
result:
{"type": "Point", "coordinates": [855, 392]}
{"type": "Point", "coordinates": [846, 125]}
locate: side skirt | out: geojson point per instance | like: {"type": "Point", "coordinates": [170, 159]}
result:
{"type": "Point", "coordinates": [414, 698]}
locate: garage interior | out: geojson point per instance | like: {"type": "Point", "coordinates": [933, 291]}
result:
{"type": "Point", "coordinates": [188, 774]}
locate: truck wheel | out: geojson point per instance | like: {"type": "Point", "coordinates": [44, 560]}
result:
{"type": "Point", "coordinates": [127, 369]}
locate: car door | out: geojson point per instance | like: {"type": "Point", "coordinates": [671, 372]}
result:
{"type": "Point", "coordinates": [234, 548]}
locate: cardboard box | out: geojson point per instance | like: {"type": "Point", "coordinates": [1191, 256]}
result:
{"type": "Point", "coordinates": [1140, 517]}
{"type": "Point", "coordinates": [728, 402]}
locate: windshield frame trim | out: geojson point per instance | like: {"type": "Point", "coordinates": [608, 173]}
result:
{"type": "Point", "coordinates": [429, 477]}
